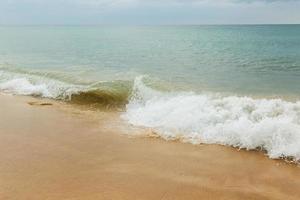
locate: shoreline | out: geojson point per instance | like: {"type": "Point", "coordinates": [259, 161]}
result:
{"type": "Point", "coordinates": [57, 151]}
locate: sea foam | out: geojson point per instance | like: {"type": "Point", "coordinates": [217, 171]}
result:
{"type": "Point", "coordinates": [36, 86]}
{"type": "Point", "coordinates": [105, 94]}
{"type": "Point", "coordinates": [269, 124]}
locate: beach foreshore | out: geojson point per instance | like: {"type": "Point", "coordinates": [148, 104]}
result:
{"type": "Point", "coordinates": [55, 151]}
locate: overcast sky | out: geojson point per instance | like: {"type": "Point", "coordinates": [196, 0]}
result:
{"type": "Point", "coordinates": [148, 12]}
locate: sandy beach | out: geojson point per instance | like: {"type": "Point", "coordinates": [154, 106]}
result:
{"type": "Point", "coordinates": [53, 151]}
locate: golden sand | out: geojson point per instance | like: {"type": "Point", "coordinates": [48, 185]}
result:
{"type": "Point", "coordinates": [58, 152]}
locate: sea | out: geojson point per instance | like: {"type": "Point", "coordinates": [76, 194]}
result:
{"type": "Point", "coordinates": [235, 85]}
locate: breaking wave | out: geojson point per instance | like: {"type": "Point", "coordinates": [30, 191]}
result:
{"type": "Point", "coordinates": [272, 125]}
{"type": "Point", "coordinates": [105, 94]}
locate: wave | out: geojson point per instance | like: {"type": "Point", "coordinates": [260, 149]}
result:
{"type": "Point", "coordinates": [272, 125]}
{"type": "Point", "coordinates": [105, 94]}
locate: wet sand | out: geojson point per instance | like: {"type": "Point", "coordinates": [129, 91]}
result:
{"type": "Point", "coordinates": [52, 151]}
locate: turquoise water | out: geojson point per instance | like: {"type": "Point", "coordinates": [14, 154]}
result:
{"type": "Point", "coordinates": [259, 60]}
{"type": "Point", "coordinates": [228, 85]}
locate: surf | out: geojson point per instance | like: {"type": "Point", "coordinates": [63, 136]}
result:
{"type": "Point", "coordinates": [271, 125]}
{"type": "Point", "coordinates": [100, 94]}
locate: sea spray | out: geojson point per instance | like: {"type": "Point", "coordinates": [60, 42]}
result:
{"type": "Point", "coordinates": [104, 94]}
{"type": "Point", "coordinates": [244, 122]}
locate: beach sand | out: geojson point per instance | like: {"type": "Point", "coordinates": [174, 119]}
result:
{"type": "Point", "coordinates": [53, 151]}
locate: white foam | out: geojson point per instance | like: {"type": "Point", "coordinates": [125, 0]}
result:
{"type": "Point", "coordinates": [23, 87]}
{"type": "Point", "coordinates": [244, 122]}
{"type": "Point", "coordinates": [26, 84]}
{"type": "Point", "coordinates": [271, 124]}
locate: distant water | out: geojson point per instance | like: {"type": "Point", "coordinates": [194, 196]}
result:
{"type": "Point", "coordinates": [231, 85]}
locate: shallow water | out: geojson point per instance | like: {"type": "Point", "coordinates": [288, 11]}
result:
{"type": "Point", "coordinates": [247, 60]}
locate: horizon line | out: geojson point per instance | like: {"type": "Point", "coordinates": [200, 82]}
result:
{"type": "Point", "coordinates": [209, 24]}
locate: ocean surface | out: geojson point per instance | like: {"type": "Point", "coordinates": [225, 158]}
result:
{"type": "Point", "coordinates": [236, 85]}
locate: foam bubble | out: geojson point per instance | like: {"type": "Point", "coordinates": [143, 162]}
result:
{"type": "Point", "coordinates": [270, 124]}
{"type": "Point", "coordinates": [24, 87]}
{"type": "Point", "coordinates": [28, 84]}
{"type": "Point", "coordinates": [106, 94]}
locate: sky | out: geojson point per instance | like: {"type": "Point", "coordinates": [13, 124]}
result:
{"type": "Point", "coordinates": [148, 12]}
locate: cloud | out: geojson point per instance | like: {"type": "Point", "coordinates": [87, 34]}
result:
{"type": "Point", "coordinates": [148, 11]}
{"type": "Point", "coordinates": [116, 3]}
